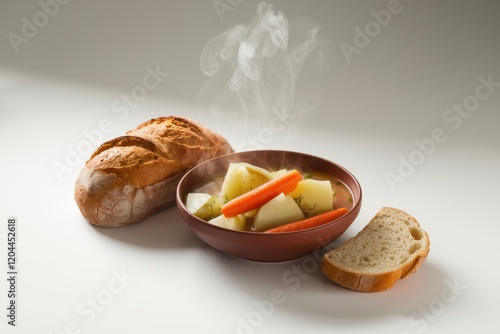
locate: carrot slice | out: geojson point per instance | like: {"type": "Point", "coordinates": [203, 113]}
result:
{"type": "Point", "coordinates": [314, 221]}
{"type": "Point", "coordinates": [259, 196]}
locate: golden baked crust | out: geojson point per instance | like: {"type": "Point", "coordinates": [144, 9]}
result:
{"type": "Point", "coordinates": [131, 177]}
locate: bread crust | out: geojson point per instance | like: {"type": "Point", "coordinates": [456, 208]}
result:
{"type": "Point", "coordinates": [357, 280]}
{"type": "Point", "coordinates": [130, 177]}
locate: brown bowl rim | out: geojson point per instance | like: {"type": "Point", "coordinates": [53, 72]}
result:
{"type": "Point", "coordinates": [355, 207]}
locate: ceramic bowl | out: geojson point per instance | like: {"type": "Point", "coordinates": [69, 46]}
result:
{"type": "Point", "coordinates": [260, 246]}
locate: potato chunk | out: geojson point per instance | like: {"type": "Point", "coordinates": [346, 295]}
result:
{"type": "Point", "coordinates": [280, 210]}
{"type": "Point", "coordinates": [313, 196]}
{"type": "Point", "coordinates": [238, 222]}
{"type": "Point", "coordinates": [241, 178]}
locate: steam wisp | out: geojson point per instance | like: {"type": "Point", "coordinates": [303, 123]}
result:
{"type": "Point", "coordinates": [270, 67]}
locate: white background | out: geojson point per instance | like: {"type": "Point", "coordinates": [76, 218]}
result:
{"type": "Point", "coordinates": [376, 104]}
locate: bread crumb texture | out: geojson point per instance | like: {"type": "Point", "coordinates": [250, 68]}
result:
{"type": "Point", "coordinates": [391, 246]}
{"type": "Point", "coordinates": [384, 245]}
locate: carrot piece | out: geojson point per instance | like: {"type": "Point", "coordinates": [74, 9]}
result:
{"type": "Point", "coordinates": [314, 221]}
{"type": "Point", "coordinates": [259, 196]}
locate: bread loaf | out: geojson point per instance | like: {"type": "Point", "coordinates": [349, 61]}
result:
{"type": "Point", "coordinates": [390, 247]}
{"type": "Point", "coordinates": [133, 176]}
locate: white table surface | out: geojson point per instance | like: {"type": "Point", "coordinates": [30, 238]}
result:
{"type": "Point", "coordinates": [403, 86]}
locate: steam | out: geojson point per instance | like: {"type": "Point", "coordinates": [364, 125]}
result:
{"type": "Point", "coordinates": [268, 68]}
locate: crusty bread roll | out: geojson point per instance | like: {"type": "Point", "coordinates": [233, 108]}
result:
{"type": "Point", "coordinates": [390, 247]}
{"type": "Point", "coordinates": [133, 176]}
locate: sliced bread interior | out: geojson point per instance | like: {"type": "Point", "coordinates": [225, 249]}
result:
{"type": "Point", "coordinates": [390, 247]}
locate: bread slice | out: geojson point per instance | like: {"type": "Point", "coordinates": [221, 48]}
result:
{"type": "Point", "coordinates": [390, 247]}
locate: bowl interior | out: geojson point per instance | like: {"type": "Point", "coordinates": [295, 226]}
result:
{"type": "Point", "coordinates": [261, 246]}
